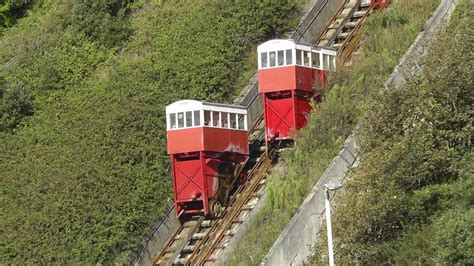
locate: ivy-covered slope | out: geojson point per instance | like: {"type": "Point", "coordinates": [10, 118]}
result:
{"type": "Point", "coordinates": [83, 86]}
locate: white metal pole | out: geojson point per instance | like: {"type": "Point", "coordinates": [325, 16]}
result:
{"type": "Point", "coordinates": [329, 228]}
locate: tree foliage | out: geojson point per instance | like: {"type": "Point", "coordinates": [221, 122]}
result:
{"type": "Point", "coordinates": [103, 21]}
{"type": "Point", "coordinates": [11, 10]}
{"type": "Point", "coordinates": [82, 142]}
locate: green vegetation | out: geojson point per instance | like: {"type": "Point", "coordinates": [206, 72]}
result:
{"type": "Point", "coordinates": [83, 86]}
{"type": "Point", "coordinates": [11, 10]}
{"type": "Point", "coordinates": [388, 35]}
{"type": "Point", "coordinates": [411, 200]}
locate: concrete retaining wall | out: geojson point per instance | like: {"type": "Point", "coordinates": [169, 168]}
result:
{"type": "Point", "coordinates": [293, 246]}
{"type": "Point", "coordinates": [323, 11]}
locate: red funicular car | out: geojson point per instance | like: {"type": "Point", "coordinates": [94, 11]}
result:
{"type": "Point", "coordinates": [289, 75]}
{"type": "Point", "coordinates": [206, 141]}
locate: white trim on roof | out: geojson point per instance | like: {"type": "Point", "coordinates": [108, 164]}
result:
{"type": "Point", "coordinates": [184, 105]}
{"type": "Point", "coordinates": [185, 114]}
{"type": "Point", "coordinates": [277, 44]}
{"type": "Point", "coordinates": [280, 53]}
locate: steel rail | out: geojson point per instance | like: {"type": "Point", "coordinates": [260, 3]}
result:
{"type": "Point", "coordinates": [203, 254]}
{"type": "Point", "coordinates": [343, 22]}
{"type": "Point", "coordinates": [328, 27]}
{"type": "Point", "coordinates": [220, 226]}
{"type": "Point", "coordinates": [178, 241]}
{"type": "Point", "coordinates": [352, 42]}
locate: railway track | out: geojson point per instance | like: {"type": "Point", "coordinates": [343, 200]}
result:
{"type": "Point", "coordinates": [243, 202]}
{"type": "Point", "coordinates": [344, 33]}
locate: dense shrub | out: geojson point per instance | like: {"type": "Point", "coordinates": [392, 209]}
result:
{"type": "Point", "coordinates": [103, 21]}
{"type": "Point", "coordinates": [15, 103]}
{"type": "Point", "coordinates": [11, 11]}
{"type": "Point", "coordinates": [453, 236]}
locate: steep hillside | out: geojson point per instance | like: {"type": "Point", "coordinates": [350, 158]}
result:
{"type": "Point", "coordinates": [412, 199]}
{"type": "Point", "coordinates": [83, 86]}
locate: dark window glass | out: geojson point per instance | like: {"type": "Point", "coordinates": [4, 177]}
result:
{"type": "Point", "coordinates": [180, 120]}
{"type": "Point", "coordinates": [224, 120]}
{"type": "Point", "coordinates": [306, 58]}
{"type": "Point", "coordinates": [315, 60]}
{"type": "Point", "coordinates": [189, 119]}
{"type": "Point", "coordinates": [298, 57]}
{"type": "Point", "coordinates": [207, 118]}
{"type": "Point", "coordinates": [272, 59]}
{"type": "Point", "coordinates": [172, 121]}
{"type": "Point", "coordinates": [233, 121]}
{"type": "Point", "coordinates": [263, 59]}
{"type": "Point", "coordinates": [326, 62]}
{"type": "Point", "coordinates": [289, 57]}
{"type": "Point", "coordinates": [197, 118]}
{"type": "Point", "coordinates": [333, 62]}
{"type": "Point", "coordinates": [215, 119]}
{"type": "Point", "coordinates": [241, 121]}
{"type": "Point", "coordinates": [281, 58]}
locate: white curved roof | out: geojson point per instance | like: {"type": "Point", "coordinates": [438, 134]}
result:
{"type": "Point", "coordinates": [276, 44]}
{"type": "Point", "coordinates": [193, 105]}
{"type": "Point", "coordinates": [184, 105]}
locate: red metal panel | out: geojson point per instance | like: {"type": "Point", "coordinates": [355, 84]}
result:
{"type": "Point", "coordinates": [276, 79]}
{"type": "Point", "coordinates": [207, 139]}
{"type": "Point", "coordinates": [285, 112]}
{"type": "Point", "coordinates": [188, 183]}
{"type": "Point", "coordinates": [211, 174]}
{"type": "Point", "coordinates": [225, 140]}
{"type": "Point", "coordinates": [304, 78]}
{"type": "Point", "coordinates": [205, 182]}
{"type": "Point", "coordinates": [279, 115]}
{"type": "Point", "coordinates": [319, 79]}
{"type": "Point", "coordinates": [380, 4]}
{"type": "Point", "coordinates": [303, 108]}
{"type": "Point", "coordinates": [185, 140]}
{"type": "Point", "coordinates": [290, 78]}
{"type": "Point", "coordinates": [196, 179]}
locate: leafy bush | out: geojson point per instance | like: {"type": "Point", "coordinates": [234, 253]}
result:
{"type": "Point", "coordinates": [11, 11]}
{"type": "Point", "coordinates": [15, 103]}
{"type": "Point", "coordinates": [454, 237]}
{"type": "Point", "coordinates": [103, 21]}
